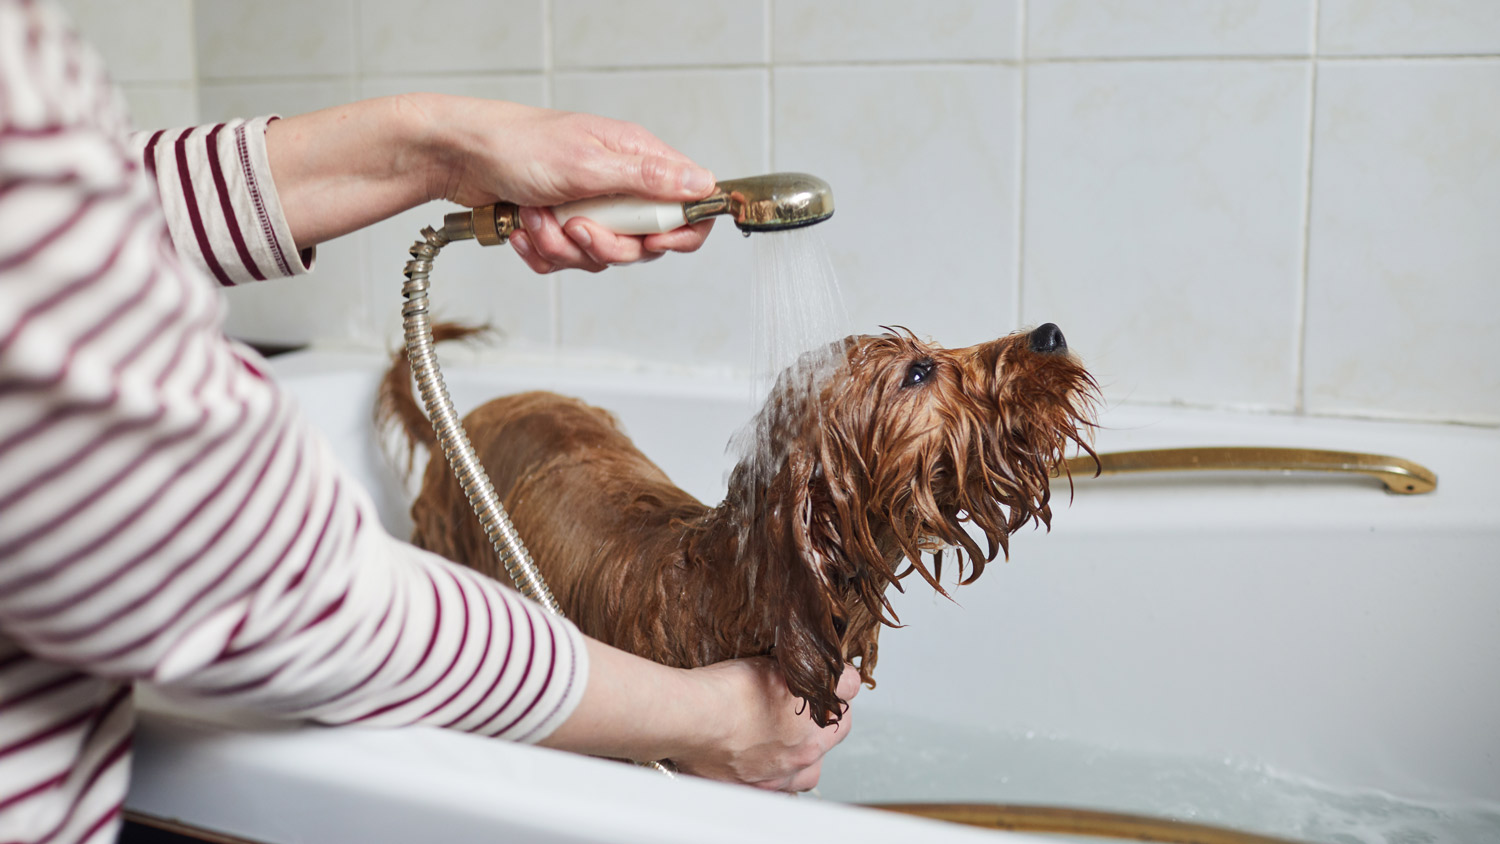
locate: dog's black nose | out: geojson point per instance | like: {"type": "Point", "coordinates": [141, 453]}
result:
{"type": "Point", "coordinates": [1048, 339]}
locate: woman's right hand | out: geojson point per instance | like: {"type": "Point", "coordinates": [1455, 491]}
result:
{"type": "Point", "coordinates": [768, 740]}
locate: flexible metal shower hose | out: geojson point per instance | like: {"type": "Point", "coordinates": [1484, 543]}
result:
{"type": "Point", "coordinates": [417, 329]}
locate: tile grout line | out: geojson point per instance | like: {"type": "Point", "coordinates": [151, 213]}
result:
{"type": "Point", "coordinates": [770, 57]}
{"type": "Point", "coordinates": [842, 65]}
{"type": "Point", "coordinates": [1019, 297]}
{"type": "Point", "coordinates": [1299, 352]}
{"type": "Point", "coordinates": [368, 325]}
{"type": "Point", "coordinates": [549, 61]}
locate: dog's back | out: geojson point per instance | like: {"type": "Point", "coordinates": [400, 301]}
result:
{"type": "Point", "coordinates": [566, 474]}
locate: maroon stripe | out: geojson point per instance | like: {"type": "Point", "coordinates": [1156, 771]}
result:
{"type": "Point", "coordinates": [379, 668]}
{"type": "Point", "coordinates": [489, 639]}
{"type": "Point", "coordinates": [68, 289]}
{"type": "Point", "coordinates": [85, 205]}
{"type": "Point", "coordinates": [116, 754]}
{"type": "Point", "coordinates": [510, 632]}
{"type": "Point", "coordinates": [525, 673]}
{"type": "Point", "coordinates": [267, 231]}
{"type": "Point", "coordinates": [567, 688]}
{"type": "Point", "coordinates": [230, 220]}
{"type": "Point", "coordinates": [47, 732]}
{"type": "Point", "coordinates": [107, 818]}
{"type": "Point", "coordinates": [66, 178]}
{"type": "Point", "coordinates": [64, 681]}
{"type": "Point", "coordinates": [121, 696]}
{"type": "Point", "coordinates": [312, 556]}
{"type": "Point", "coordinates": [458, 652]}
{"type": "Point", "coordinates": [44, 785]}
{"type": "Point", "coordinates": [149, 154]}
{"type": "Point", "coordinates": [257, 682]}
{"type": "Point", "coordinates": [437, 625]}
{"type": "Point", "coordinates": [31, 133]}
{"type": "Point", "coordinates": [546, 681]}
{"type": "Point", "coordinates": [114, 315]}
{"type": "Point", "coordinates": [194, 216]}
{"type": "Point", "coordinates": [189, 560]}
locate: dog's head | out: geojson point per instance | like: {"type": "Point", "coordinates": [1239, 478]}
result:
{"type": "Point", "coordinates": [886, 448]}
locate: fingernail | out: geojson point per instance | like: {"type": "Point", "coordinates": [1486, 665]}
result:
{"type": "Point", "coordinates": [696, 180]}
{"type": "Point", "coordinates": [580, 235]}
{"type": "Point", "coordinates": [518, 243]}
{"type": "Point", "coordinates": [531, 219]}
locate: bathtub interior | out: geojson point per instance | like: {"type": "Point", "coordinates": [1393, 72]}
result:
{"type": "Point", "coordinates": [1168, 630]}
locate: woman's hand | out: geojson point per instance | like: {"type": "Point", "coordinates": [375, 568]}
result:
{"type": "Point", "coordinates": [769, 740]}
{"type": "Point", "coordinates": [733, 721]}
{"type": "Point", "coordinates": [538, 157]}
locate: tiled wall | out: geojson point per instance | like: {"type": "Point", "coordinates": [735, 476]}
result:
{"type": "Point", "coordinates": [1286, 205]}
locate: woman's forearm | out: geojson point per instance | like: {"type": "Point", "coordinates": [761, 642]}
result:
{"type": "Point", "coordinates": [343, 168]}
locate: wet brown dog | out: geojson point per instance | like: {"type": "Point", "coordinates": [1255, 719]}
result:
{"type": "Point", "coordinates": [883, 449]}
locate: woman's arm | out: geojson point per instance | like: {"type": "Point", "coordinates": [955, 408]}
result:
{"type": "Point", "coordinates": [343, 168]}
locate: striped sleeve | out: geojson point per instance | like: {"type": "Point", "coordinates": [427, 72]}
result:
{"type": "Point", "coordinates": [168, 514]}
{"type": "Point", "coordinates": [219, 200]}
{"type": "Point", "coordinates": [165, 512]}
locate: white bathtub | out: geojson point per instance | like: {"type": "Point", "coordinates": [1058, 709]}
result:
{"type": "Point", "coordinates": [1275, 627]}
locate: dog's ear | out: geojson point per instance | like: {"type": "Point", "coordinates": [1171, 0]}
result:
{"type": "Point", "coordinates": [807, 583]}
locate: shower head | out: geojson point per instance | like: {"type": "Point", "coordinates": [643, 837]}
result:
{"type": "Point", "coordinates": [773, 202]}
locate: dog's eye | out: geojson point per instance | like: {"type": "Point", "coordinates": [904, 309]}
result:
{"type": "Point", "coordinates": [917, 373]}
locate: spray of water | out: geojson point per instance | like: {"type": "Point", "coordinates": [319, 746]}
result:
{"type": "Point", "coordinates": [799, 314]}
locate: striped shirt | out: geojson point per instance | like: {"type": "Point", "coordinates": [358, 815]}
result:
{"type": "Point", "coordinates": [165, 514]}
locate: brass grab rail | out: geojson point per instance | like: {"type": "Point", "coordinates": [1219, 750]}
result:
{"type": "Point", "coordinates": [1399, 476]}
{"type": "Point", "coordinates": [1068, 821]}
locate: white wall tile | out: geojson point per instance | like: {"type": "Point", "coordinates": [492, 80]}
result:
{"type": "Point", "coordinates": [1408, 27]}
{"type": "Point", "coordinates": [658, 33]}
{"type": "Point", "coordinates": [470, 283]}
{"type": "Point", "coordinates": [1164, 224]}
{"type": "Point", "coordinates": [1145, 28]}
{"type": "Point", "coordinates": [271, 38]}
{"type": "Point", "coordinates": [1403, 312]}
{"type": "Point", "coordinates": [329, 305]}
{"type": "Point", "coordinates": [922, 162]}
{"type": "Point", "coordinates": [220, 101]}
{"type": "Point", "coordinates": [681, 309]}
{"type": "Point", "coordinates": [451, 36]}
{"type": "Point", "coordinates": [889, 30]}
{"type": "Point", "coordinates": [142, 41]}
{"type": "Point", "coordinates": [162, 105]}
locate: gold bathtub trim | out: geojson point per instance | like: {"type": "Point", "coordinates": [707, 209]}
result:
{"type": "Point", "coordinates": [1065, 821]}
{"type": "Point", "coordinates": [1399, 475]}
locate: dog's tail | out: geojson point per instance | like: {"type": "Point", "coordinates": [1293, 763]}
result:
{"type": "Point", "coordinates": [396, 408]}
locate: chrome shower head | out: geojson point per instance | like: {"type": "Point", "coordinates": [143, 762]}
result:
{"type": "Point", "coordinates": [773, 202]}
